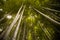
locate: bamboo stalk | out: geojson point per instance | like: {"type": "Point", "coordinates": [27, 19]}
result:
{"type": "Point", "coordinates": [12, 24]}
{"type": "Point", "coordinates": [49, 18]}
{"type": "Point", "coordinates": [17, 28]}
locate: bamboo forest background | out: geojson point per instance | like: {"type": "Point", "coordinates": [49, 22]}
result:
{"type": "Point", "coordinates": [29, 20]}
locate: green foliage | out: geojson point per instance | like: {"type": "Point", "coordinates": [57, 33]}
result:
{"type": "Point", "coordinates": [37, 26]}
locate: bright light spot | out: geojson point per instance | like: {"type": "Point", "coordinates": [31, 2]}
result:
{"type": "Point", "coordinates": [4, 0]}
{"type": "Point", "coordinates": [9, 16]}
{"type": "Point", "coordinates": [29, 6]}
{"type": "Point", "coordinates": [38, 37]}
{"type": "Point", "coordinates": [30, 19]}
{"type": "Point", "coordinates": [0, 30]}
{"type": "Point", "coordinates": [35, 27]}
{"type": "Point", "coordinates": [36, 16]}
{"type": "Point", "coordinates": [1, 9]}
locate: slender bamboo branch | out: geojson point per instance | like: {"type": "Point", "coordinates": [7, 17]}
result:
{"type": "Point", "coordinates": [52, 14]}
{"type": "Point", "coordinates": [24, 33]}
{"type": "Point", "coordinates": [49, 18]}
{"type": "Point", "coordinates": [17, 28]}
{"type": "Point", "coordinates": [19, 33]}
{"type": "Point", "coordinates": [5, 16]}
{"type": "Point", "coordinates": [46, 32]}
{"type": "Point", "coordinates": [7, 27]}
{"type": "Point", "coordinates": [12, 24]}
{"type": "Point", "coordinates": [50, 9]}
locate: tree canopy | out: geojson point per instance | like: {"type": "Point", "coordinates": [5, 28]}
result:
{"type": "Point", "coordinates": [29, 20]}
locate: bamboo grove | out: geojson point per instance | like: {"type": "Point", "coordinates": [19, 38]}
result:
{"type": "Point", "coordinates": [29, 19]}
